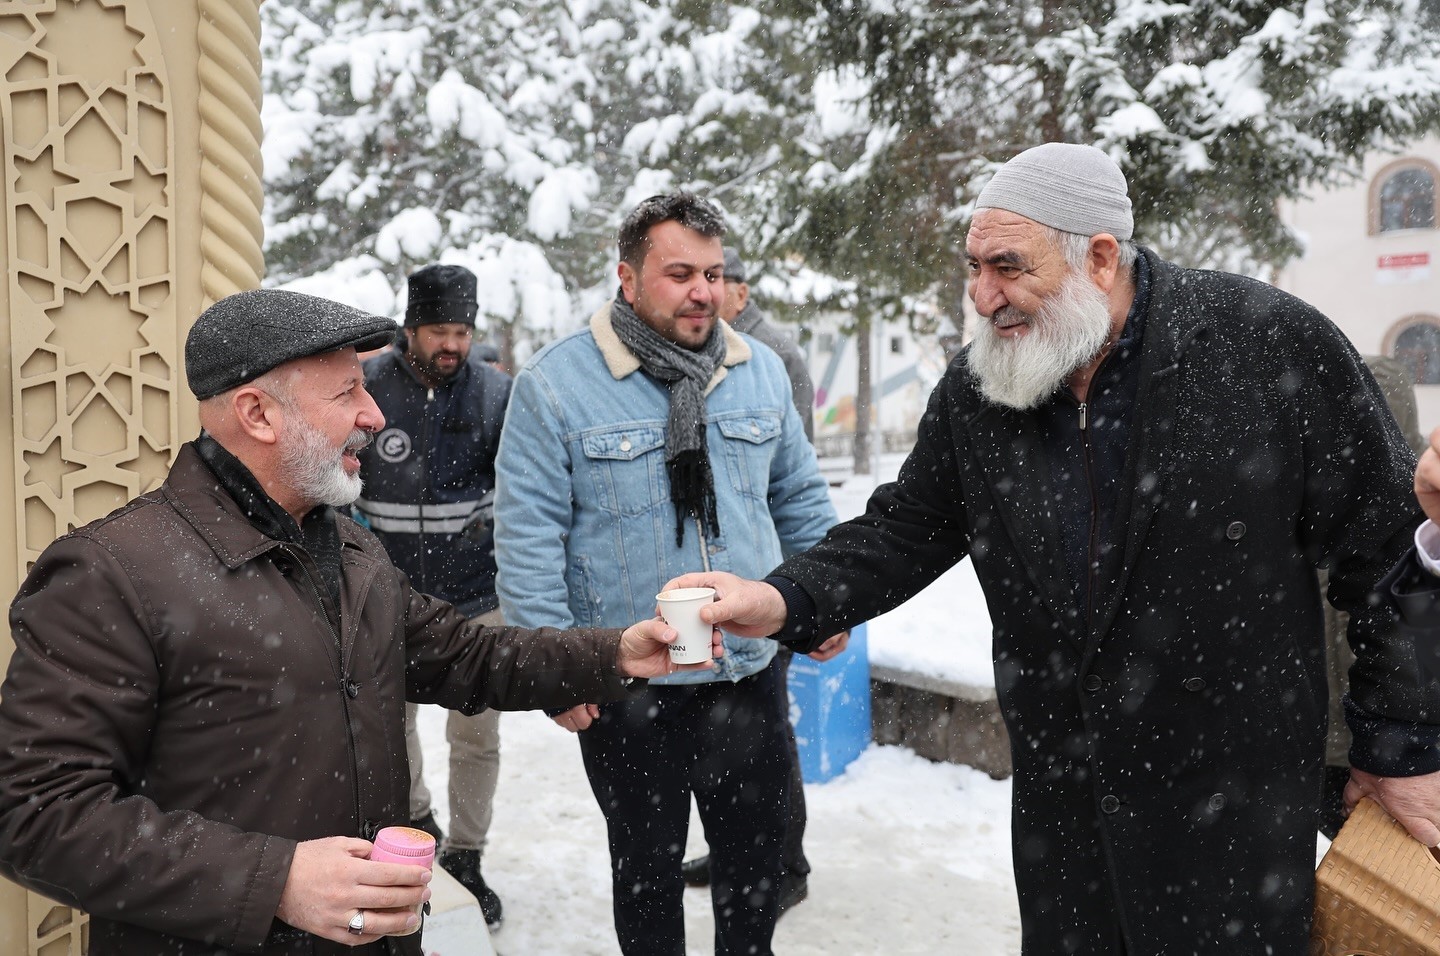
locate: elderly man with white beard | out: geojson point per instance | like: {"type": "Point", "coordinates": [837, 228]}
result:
{"type": "Point", "coordinates": [1147, 464]}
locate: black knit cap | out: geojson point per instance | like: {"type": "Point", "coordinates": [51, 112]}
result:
{"type": "Point", "coordinates": [247, 334]}
{"type": "Point", "coordinates": [441, 294]}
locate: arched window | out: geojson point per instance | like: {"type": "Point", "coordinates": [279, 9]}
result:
{"type": "Point", "coordinates": [1417, 347]}
{"type": "Point", "coordinates": [1405, 199]}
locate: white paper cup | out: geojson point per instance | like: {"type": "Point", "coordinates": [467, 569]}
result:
{"type": "Point", "coordinates": [681, 610]}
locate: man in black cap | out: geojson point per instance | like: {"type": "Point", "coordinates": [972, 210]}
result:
{"type": "Point", "coordinates": [203, 725]}
{"type": "Point", "coordinates": [429, 480]}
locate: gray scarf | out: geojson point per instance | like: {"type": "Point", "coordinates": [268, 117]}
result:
{"type": "Point", "coordinates": [686, 373]}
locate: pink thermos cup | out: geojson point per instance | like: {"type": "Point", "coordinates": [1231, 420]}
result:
{"type": "Point", "coordinates": [404, 845]}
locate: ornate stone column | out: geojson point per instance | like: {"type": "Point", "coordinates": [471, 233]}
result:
{"type": "Point", "coordinates": [130, 132]}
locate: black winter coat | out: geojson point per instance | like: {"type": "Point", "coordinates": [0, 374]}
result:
{"type": "Point", "coordinates": [1167, 750]}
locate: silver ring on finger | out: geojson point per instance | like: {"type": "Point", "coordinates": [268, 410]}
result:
{"type": "Point", "coordinates": [357, 923]}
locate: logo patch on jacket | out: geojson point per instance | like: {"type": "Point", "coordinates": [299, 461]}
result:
{"type": "Point", "coordinates": [393, 445]}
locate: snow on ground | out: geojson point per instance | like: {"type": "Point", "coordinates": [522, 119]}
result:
{"type": "Point", "coordinates": [908, 857]}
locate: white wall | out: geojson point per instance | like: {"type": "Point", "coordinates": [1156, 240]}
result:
{"type": "Point", "coordinates": [1360, 280]}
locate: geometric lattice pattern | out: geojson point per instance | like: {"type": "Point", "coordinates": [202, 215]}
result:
{"type": "Point", "coordinates": [90, 228]}
{"type": "Point", "coordinates": [89, 113]}
{"type": "Point", "coordinates": [56, 930]}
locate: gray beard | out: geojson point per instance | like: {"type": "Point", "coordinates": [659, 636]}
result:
{"type": "Point", "coordinates": [1066, 333]}
{"type": "Point", "coordinates": [315, 470]}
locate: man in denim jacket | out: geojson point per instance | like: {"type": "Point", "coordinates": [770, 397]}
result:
{"type": "Point", "coordinates": [653, 441]}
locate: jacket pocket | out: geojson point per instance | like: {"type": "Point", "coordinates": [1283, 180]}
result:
{"type": "Point", "coordinates": [751, 441]}
{"type": "Point", "coordinates": [626, 465]}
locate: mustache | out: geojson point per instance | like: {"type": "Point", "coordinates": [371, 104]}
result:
{"type": "Point", "coordinates": [359, 440]}
{"type": "Point", "coordinates": [1008, 315]}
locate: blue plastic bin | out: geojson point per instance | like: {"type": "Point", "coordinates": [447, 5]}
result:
{"type": "Point", "coordinates": [830, 708]}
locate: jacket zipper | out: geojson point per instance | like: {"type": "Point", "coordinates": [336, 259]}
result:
{"type": "Point", "coordinates": [1092, 555]}
{"type": "Point", "coordinates": [1091, 548]}
{"type": "Point", "coordinates": [424, 485]}
{"type": "Point", "coordinates": [344, 692]}
{"type": "Point", "coordinates": [704, 546]}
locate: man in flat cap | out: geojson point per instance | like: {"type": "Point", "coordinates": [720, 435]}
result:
{"type": "Point", "coordinates": [203, 723]}
{"type": "Point", "coordinates": [429, 483]}
{"type": "Point", "coordinates": [1146, 464]}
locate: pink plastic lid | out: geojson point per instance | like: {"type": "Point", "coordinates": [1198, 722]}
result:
{"type": "Point", "coordinates": [404, 845]}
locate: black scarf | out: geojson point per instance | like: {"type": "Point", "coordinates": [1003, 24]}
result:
{"type": "Point", "coordinates": [317, 534]}
{"type": "Point", "coordinates": [686, 373]}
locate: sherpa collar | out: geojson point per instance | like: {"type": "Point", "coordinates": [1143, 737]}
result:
{"type": "Point", "coordinates": [622, 362]}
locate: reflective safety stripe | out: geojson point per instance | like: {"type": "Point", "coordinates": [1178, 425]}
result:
{"type": "Point", "coordinates": [406, 518]}
{"type": "Point", "coordinates": [413, 525]}
{"type": "Point", "coordinates": [390, 509]}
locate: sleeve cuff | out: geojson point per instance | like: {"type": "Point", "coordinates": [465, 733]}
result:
{"type": "Point", "coordinates": [1391, 748]}
{"type": "Point", "coordinates": [798, 632]}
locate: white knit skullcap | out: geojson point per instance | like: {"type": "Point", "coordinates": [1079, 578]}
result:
{"type": "Point", "coordinates": [1065, 186]}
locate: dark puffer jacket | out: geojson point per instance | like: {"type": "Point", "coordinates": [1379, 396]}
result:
{"type": "Point", "coordinates": [183, 706]}
{"type": "Point", "coordinates": [1167, 746]}
{"type": "Point", "coordinates": [430, 476]}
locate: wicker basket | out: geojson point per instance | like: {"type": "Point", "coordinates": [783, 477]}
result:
{"type": "Point", "coordinates": [1377, 891]}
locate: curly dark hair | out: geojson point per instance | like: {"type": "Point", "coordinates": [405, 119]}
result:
{"type": "Point", "coordinates": [688, 209]}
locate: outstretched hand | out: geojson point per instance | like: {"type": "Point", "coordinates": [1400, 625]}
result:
{"type": "Point", "coordinates": [744, 608]}
{"type": "Point", "coordinates": [645, 650]}
{"type": "Point", "coordinates": [1414, 802]}
{"type": "Point", "coordinates": [1427, 479]}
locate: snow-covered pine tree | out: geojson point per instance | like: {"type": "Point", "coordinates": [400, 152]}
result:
{"type": "Point", "coordinates": [508, 139]}
{"type": "Point", "coordinates": [1215, 110]}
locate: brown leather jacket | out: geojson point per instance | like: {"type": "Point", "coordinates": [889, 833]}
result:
{"type": "Point", "coordinates": [183, 706]}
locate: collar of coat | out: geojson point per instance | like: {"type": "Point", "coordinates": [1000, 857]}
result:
{"type": "Point", "coordinates": [200, 497]}
{"type": "Point", "coordinates": [749, 317]}
{"type": "Point", "coordinates": [622, 362]}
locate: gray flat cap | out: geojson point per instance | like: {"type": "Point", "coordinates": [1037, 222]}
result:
{"type": "Point", "coordinates": [734, 265]}
{"type": "Point", "coordinates": [245, 335]}
{"type": "Point", "coordinates": [1065, 186]}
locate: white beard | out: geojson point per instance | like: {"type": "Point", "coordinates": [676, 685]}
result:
{"type": "Point", "coordinates": [314, 468]}
{"type": "Point", "coordinates": [1066, 333]}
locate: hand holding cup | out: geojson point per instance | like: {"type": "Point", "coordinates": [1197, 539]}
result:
{"type": "Point", "coordinates": [680, 607]}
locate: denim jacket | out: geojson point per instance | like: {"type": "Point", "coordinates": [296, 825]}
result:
{"type": "Point", "coordinates": [584, 525]}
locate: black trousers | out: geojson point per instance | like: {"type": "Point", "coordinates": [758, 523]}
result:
{"type": "Point", "coordinates": [792, 854]}
{"type": "Point", "coordinates": [645, 756]}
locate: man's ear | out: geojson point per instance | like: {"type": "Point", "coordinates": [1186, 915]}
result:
{"type": "Point", "coordinates": [1104, 261]}
{"type": "Point", "coordinates": [743, 288]}
{"type": "Point", "coordinates": [257, 414]}
{"type": "Point", "coordinates": [629, 281]}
